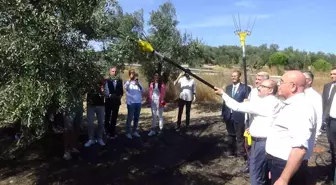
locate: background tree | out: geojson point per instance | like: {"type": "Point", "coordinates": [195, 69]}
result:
{"type": "Point", "coordinates": [322, 65]}
{"type": "Point", "coordinates": [278, 59]}
{"type": "Point", "coordinates": [45, 59]}
{"type": "Point", "coordinates": [167, 39]}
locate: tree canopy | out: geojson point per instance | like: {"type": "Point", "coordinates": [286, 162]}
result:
{"type": "Point", "coordinates": [46, 58]}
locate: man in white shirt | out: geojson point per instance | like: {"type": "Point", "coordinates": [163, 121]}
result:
{"type": "Point", "coordinates": [315, 98]}
{"type": "Point", "coordinates": [187, 96]}
{"type": "Point", "coordinates": [260, 77]}
{"type": "Point", "coordinates": [264, 109]}
{"type": "Point", "coordinates": [291, 139]}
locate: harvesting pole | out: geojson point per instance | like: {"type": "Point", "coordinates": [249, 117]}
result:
{"type": "Point", "coordinates": [242, 37]}
{"type": "Point", "coordinates": [145, 46]}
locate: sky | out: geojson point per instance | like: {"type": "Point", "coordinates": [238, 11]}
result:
{"type": "Point", "coordinates": [308, 25]}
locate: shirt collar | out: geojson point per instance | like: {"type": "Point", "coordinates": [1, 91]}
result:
{"type": "Point", "coordinates": [309, 89]}
{"type": "Point", "coordinates": [294, 98]}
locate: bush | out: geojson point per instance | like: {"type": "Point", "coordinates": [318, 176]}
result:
{"type": "Point", "coordinates": [322, 65]}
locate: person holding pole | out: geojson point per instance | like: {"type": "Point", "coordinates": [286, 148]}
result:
{"type": "Point", "coordinates": [264, 110]}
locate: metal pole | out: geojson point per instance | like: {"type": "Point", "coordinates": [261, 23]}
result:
{"type": "Point", "coordinates": [244, 66]}
{"type": "Point", "coordinates": [170, 61]}
{"type": "Point", "coordinates": [245, 82]}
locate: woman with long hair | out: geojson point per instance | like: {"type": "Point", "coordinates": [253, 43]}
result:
{"type": "Point", "coordinates": [156, 95]}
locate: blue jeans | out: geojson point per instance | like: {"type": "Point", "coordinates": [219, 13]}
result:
{"type": "Point", "coordinates": [258, 163]}
{"type": "Point", "coordinates": [133, 113]}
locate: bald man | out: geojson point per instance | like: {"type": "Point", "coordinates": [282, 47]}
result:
{"type": "Point", "coordinates": [291, 139]}
{"type": "Point", "coordinates": [264, 109]}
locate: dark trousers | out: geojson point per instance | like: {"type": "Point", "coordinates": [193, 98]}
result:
{"type": "Point", "coordinates": [181, 104]}
{"type": "Point", "coordinates": [276, 166]}
{"type": "Point", "coordinates": [331, 134]}
{"type": "Point", "coordinates": [258, 163]}
{"type": "Point", "coordinates": [111, 116]}
{"type": "Point", "coordinates": [236, 136]}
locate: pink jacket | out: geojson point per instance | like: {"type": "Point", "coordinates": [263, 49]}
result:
{"type": "Point", "coordinates": [162, 93]}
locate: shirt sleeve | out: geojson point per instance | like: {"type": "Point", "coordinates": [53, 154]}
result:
{"type": "Point", "coordinates": [106, 89]}
{"type": "Point", "coordinates": [140, 87]}
{"type": "Point", "coordinates": [194, 87]}
{"type": "Point", "coordinates": [302, 126]}
{"type": "Point", "coordinates": [319, 112]}
{"type": "Point", "coordinates": [257, 108]}
{"type": "Point", "coordinates": [127, 84]}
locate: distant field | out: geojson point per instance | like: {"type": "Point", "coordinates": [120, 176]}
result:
{"type": "Point", "coordinates": [221, 77]}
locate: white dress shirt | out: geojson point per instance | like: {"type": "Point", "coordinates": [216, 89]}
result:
{"type": "Point", "coordinates": [332, 112]}
{"type": "Point", "coordinates": [295, 126]}
{"type": "Point", "coordinates": [316, 99]}
{"type": "Point", "coordinates": [252, 97]}
{"type": "Point", "coordinates": [264, 109]}
{"type": "Point", "coordinates": [188, 88]}
{"type": "Point", "coordinates": [235, 88]}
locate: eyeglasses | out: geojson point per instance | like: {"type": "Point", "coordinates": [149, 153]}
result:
{"type": "Point", "coordinates": [264, 86]}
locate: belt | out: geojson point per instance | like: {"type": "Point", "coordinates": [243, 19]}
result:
{"type": "Point", "coordinates": [258, 139]}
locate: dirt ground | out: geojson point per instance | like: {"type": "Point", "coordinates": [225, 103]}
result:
{"type": "Point", "coordinates": [192, 157]}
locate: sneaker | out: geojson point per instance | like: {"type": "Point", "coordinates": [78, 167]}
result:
{"type": "Point", "coordinates": [129, 136]}
{"type": "Point", "coordinates": [101, 142]}
{"type": "Point", "coordinates": [151, 133]}
{"type": "Point", "coordinates": [67, 155]}
{"type": "Point", "coordinates": [136, 134]}
{"type": "Point", "coordinates": [75, 150]}
{"type": "Point", "coordinates": [89, 143]}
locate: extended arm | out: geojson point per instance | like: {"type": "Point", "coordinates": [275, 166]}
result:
{"type": "Point", "coordinates": [247, 107]}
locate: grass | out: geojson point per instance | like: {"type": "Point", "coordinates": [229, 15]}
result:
{"type": "Point", "coordinates": [222, 79]}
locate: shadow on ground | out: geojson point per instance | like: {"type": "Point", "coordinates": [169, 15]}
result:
{"type": "Point", "coordinates": [189, 157]}
{"type": "Point", "coordinates": [147, 160]}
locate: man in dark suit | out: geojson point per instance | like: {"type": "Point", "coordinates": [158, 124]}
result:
{"type": "Point", "coordinates": [329, 113]}
{"type": "Point", "coordinates": [234, 121]}
{"type": "Point", "coordinates": [113, 102]}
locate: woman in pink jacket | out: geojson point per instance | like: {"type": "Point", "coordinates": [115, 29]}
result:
{"type": "Point", "coordinates": [156, 95]}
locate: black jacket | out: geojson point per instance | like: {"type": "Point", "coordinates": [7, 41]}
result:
{"type": "Point", "coordinates": [115, 92]}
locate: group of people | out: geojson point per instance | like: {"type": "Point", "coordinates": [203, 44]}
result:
{"type": "Point", "coordinates": [103, 102]}
{"type": "Point", "coordinates": [284, 120]}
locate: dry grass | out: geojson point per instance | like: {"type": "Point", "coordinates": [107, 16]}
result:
{"type": "Point", "coordinates": [221, 79]}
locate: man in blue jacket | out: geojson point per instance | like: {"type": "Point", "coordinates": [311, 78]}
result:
{"type": "Point", "coordinates": [235, 121]}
